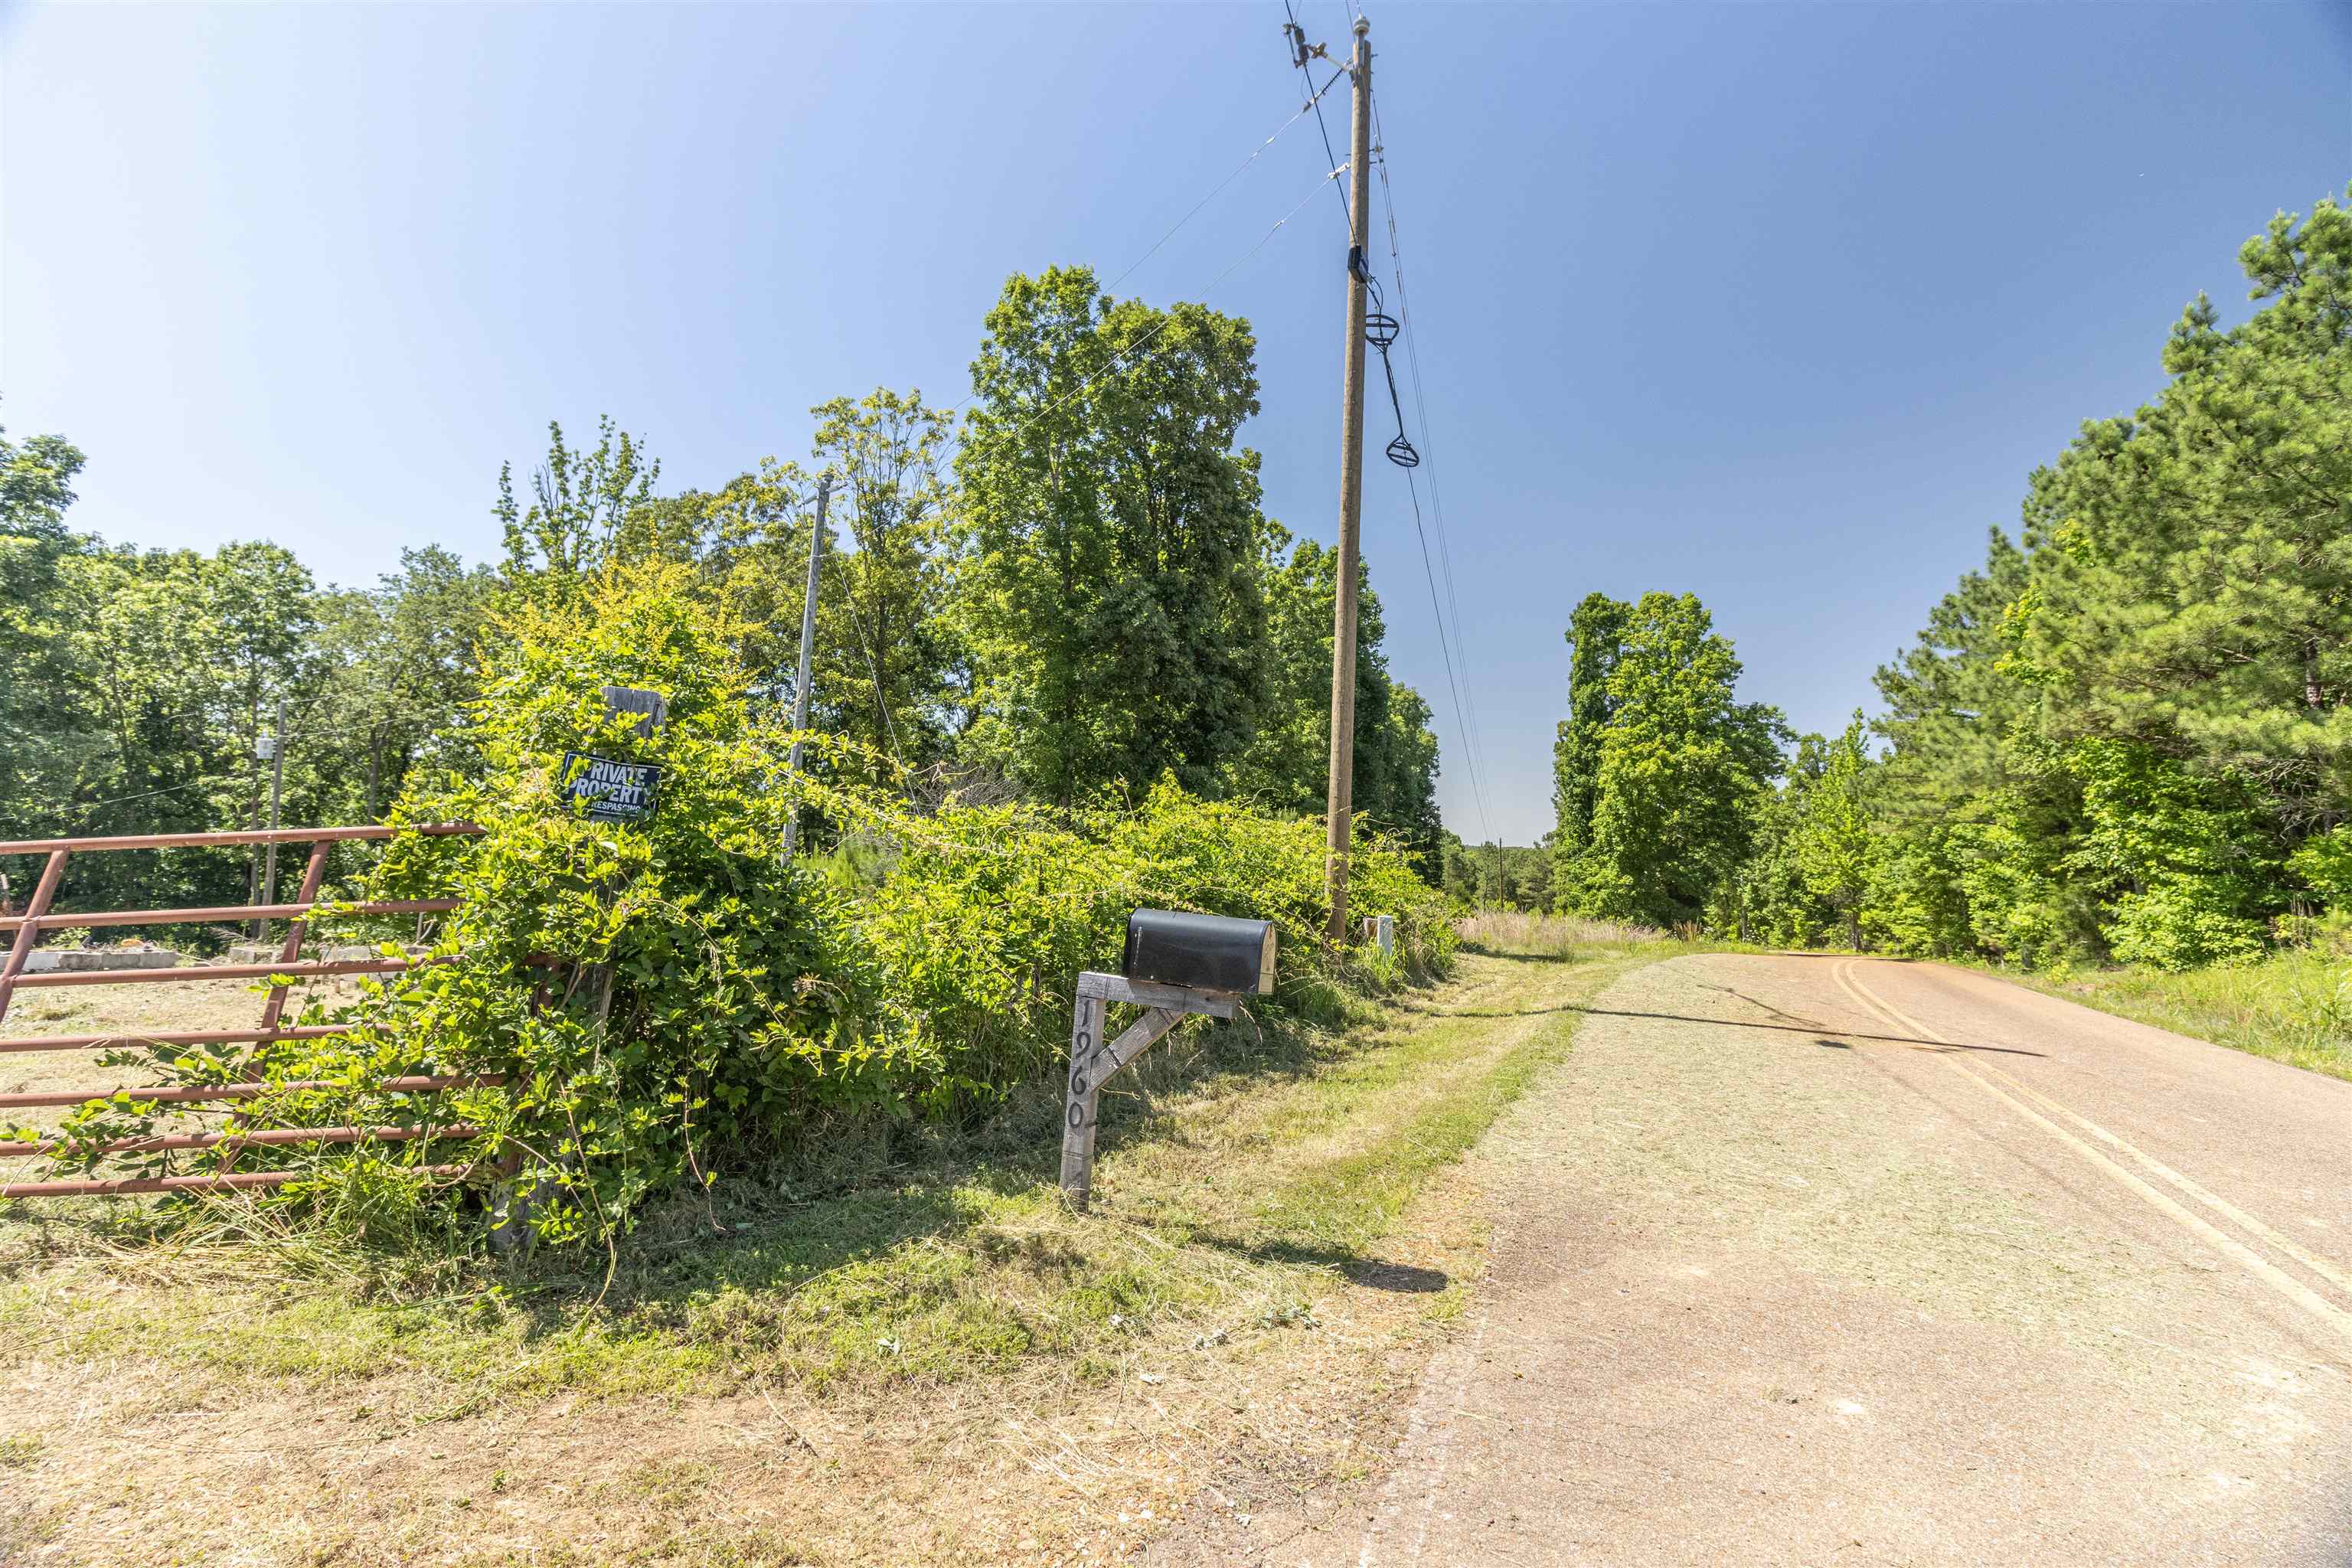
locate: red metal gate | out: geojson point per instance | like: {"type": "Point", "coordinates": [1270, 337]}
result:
{"type": "Point", "coordinates": [28, 928]}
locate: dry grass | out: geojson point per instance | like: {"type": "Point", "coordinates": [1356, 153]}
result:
{"type": "Point", "coordinates": [128, 1009]}
{"type": "Point", "coordinates": [1509, 931]}
{"type": "Point", "coordinates": [944, 1366]}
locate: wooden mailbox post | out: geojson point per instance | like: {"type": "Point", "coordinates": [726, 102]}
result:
{"type": "Point", "coordinates": [1164, 951]}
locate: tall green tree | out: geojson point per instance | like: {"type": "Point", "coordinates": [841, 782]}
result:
{"type": "Point", "coordinates": [2193, 582]}
{"type": "Point", "coordinates": [1767, 898]}
{"type": "Point", "coordinates": [1683, 765]}
{"type": "Point", "coordinates": [579, 504]}
{"type": "Point", "coordinates": [37, 713]}
{"type": "Point", "coordinates": [1287, 762]}
{"type": "Point", "coordinates": [888, 675]}
{"type": "Point", "coordinates": [1836, 838]}
{"type": "Point", "coordinates": [2114, 738]}
{"type": "Point", "coordinates": [1112, 605]}
{"type": "Point", "coordinates": [405, 660]}
{"type": "Point", "coordinates": [171, 663]}
{"type": "Point", "coordinates": [1596, 632]}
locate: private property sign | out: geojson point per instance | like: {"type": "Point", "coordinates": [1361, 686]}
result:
{"type": "Point", "coordinates": [615, 791]}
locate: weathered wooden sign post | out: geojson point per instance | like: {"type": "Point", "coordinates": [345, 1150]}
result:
{"type": "Point", "coordinates": [1175, 963]}
{"type": "Point", "coordinates": [612, 792]}
{"type": "Point", "coordinates": [617, 791]}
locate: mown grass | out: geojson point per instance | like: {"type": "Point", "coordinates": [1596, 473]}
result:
{"type": "Point", "coordinates": [909, 1350]}
{"type": "Point", "coordinates": [1238, 1166]}
{"type": "Point", "coordinates": [2295, 1007]}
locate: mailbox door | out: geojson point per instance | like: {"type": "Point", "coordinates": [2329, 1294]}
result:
{"type": "Point", "coordinates": [1206, 952]}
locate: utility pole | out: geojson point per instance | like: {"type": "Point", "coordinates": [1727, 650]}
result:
{"type": "Point", "coordinates": [276, 787]}
{"type": "Point", "coordinates": [1339, 806]}
{"type": "Point", "coordinates": [808, 650]}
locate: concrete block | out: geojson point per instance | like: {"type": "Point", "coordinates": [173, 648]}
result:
{"type": "Point", "coordinates": [78, 960]}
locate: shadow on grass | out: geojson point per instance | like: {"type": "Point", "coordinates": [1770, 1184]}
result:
{"type": "Point", "coordinates": [1529, 957]}
{"type": "Point", "coordinates": [1477, 1012]}
{"type": "Point", "coordinates": [811, 1216]}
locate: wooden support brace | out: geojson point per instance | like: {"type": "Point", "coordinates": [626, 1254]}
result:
{"type": "Point", "coordinates": [1093, 1061]}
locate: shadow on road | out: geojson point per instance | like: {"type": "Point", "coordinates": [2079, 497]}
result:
{"type": "Point", "coordinates": [1816, 1030]}
{"type": "Point", "coordinates": [1372, 1273]}
{"type": "Point", "coordinates": [1532, 957]}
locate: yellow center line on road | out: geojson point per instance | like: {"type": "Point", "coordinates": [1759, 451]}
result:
{"type": "Point", "coordinates": [1983, 1076]}
{"type": "Point", "coordinates": [2288, 1245]}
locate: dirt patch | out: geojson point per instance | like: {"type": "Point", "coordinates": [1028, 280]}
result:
{"type": "Point", "coordinates": [1272, 1260]}
{"type": "Point", "coordinates": [128, 1010]}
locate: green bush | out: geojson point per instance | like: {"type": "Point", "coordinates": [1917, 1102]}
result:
{"type": "Point", "coordinates": [651, 992]}
{"type": "Point", "coordinates": [2179, 924]}
{"type": "Point", "coordinates": [671, 999]}
{"type": "Point", "coordinates": [2325, 863]}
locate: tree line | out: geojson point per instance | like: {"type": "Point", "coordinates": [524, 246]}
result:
{"type": "Point", "coordinates": [2128, 735]}
{"type": "Point", "coordinates": [1068, 594]}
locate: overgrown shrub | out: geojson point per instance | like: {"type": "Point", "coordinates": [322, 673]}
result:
{"type": "Point", "coordinates": [670, 999]}
{"type": "Point", "coordinates": [2325, 863]}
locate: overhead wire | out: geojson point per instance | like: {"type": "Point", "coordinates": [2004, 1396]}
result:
{"type": "Point", "coordinates": [1301, 54]}
{"type": "Point", "coordinates": [1166, 320]}
{"type": "Point", "coordinates": [1473, 749]}
{"type": "Point", "coordinates": [1314, 101]}
{"type": "Point", "coordinates": [91, 808]}
{"type": "Point", "coordinates": [1334, 169]}
{"type": "Point", "coordinates": [1381, 330]}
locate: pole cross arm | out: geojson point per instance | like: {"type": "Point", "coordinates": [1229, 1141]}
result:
{"type": "Point", "coordinates": [1093, 1061]}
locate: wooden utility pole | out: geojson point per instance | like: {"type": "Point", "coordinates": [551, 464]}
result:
{"type": "Point", "coordinates": [276, 787]}
{"type": "Point", "coordinates": [1339, 807]}
{"type": "Point", "coordinates": [808, 650]}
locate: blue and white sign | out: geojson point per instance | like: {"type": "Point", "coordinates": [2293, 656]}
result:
{"type": "Point", "coordinates": [615, 791]}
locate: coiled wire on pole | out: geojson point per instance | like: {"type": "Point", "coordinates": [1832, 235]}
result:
{"type": "Point", "coordinates": [1381, 330]}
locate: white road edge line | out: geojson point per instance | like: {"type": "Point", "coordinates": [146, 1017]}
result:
{"type": "Point", "coordinates": [2294, 1290]}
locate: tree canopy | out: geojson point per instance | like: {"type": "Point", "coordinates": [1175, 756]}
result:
{"type": "Point", "coordinates": [1065, 597]}
{"type": "Point", "coordinates": [2129, 733]}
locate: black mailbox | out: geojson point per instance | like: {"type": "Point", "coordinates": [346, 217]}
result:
{"type": "Point", "coordinates": [1206, 952]}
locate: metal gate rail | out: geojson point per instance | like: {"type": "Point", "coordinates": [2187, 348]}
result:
{"type": "Point", "coordinates": [38, 917]}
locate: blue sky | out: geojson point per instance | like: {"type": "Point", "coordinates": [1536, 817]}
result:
{"type": "Point", "coordinates": [1779, 304]}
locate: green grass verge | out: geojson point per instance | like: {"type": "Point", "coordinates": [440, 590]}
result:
{"type": "Point", "coordinates": [1239, 1172]}
{"type": "Point", "coordinates": [2293, 1007]}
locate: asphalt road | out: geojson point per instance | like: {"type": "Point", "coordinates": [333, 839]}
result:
{"type": "Point", "coordinates": [1840, 1261]}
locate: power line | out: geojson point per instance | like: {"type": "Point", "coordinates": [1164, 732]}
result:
{"type": "Point", "coordinates": [1469, 752]}
{"type": "Point", "coordinates": [1382, 332]}
{"type": "Point", "coordinates": [1475, 739]}
{"type": "Point", "coordinates": [1301, 54]}
{"type": "Point", "coordinates": [1454, 651]}
{"type": "Point", "coordinates": [1314, 102]}
{"type": "Point", "coordinates": [1421, 401]}
{"type": "Point", "coordinates": [1166, 321]}
{"type": "Point", "coordinates": [91, 808]}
